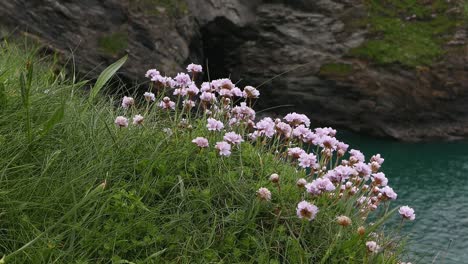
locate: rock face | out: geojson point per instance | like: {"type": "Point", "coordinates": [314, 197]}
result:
{"type": "Point", "coordinates": [299, 52]}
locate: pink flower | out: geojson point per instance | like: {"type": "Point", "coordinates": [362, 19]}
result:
{"type": "Point", "coordinates": [379, 179]}
{"type": "Point", "coordinates": [127, 102]}
{"type": "Point", "coordinates": [320, 185]}
{"type": "Point", "coordinates": [183, 79]}
{"type": "Point", "coordinates": [166, 104]}
{"type": "Point", "coordinates": [301, 132]}
{"type": "Point", "coordinates": [388, 193]}
{"type": "Point", "coordinates": [214, 125]}
{"type": "Point", "coordinates": [149, 97]}
{"type": "Point", "coordinates": [295, 119]}
{"type": "Point", "coordinates": [250, 92]}
{"type": "Point", "coordinates": [407, 212]}
{"type": "Point", "coordinates": [188, 104]}
{"type": "Point", "coordinates": [194, 68]}
{"type": "Point", "coordinates": [152, 72]}
{"type": "Point", "coordinates": [377, 158]}
{"type": "Point", "coordinates": [307, 160]}
{"type": "Point", "coordinates": [193, 90]}
{"type": "Point", "coordinates": [207, 97]}
{"type": "Point", "coordinates": [243, 112]}
{"type": "Point", "coordinates": [301, 183]}
{"type": "Point", "coordinates": [138, 120]}
{"type": "Point", "coordinates": [306, 210]}
{"type": "Point", "coordinates": [264, 194]}
{"type": "Point", "coordinates": [180, 91]}
{"type": "Point", "coordinates": [233, 138]}
{"type": "Point", "coordinates": [372, 246]}
{"type": "Point", "coordinates": [201, 142]}
{"type": "Point", "coordinates": [356, 156]}
{"type": "Point", "coordinates": [266, 127]}
{"type": "Point", "coordinates": [274, 178]}
{"type": "Point", "coordinates": [283, 129]}
{"type": "Point", "coordinates": [224, 148]}
{"type": "Point", "coordinates": [363, 169]}
{"type": "Point", "coordinates": [121, 121]}
{"type": "Point", "coordinates": [296, 152]}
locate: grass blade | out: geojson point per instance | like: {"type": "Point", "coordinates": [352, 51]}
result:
{"type": "Point", "coordinates": [105, 76]}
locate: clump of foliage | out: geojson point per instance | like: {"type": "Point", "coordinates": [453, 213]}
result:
{"type": "Point", "coordinates": [411, 33]}
{"type": "Point", "coordinates": [75, 187]}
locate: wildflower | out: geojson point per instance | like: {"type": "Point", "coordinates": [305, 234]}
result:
{"type": "Point", "coordinates": [192, 90]}
{"type": "Point", "coordinates": [283, 129]}
{"type": "Point", "coordinates": [301, 183]}
{"type": "Point", "coordinates": [188, 104]}
{"type": "Point", "coordinates": [301, 132]}
{"type": "Point", "coordinates": [343, 220]}
{"type": "Point", "coordinates": [295, 119]}
{"type": "Point", "coordinates": [340, 173]}
{"type": "Point", "coordinates": [149, 97]}
{"type": "Point", "coordinates": [224, 148]}
{"type": "Point", "coordinates": [363, 170]}
{"type": "Point", "coordinates": [377, 158]}
{"type": "Point", "coordinates": [233, 138]}
{"type": "Point", "coordinates": [207, 97]}
{"type": "Point", "coordinates": [356, 156]}
{"type": "Point", "coordinates": [388, 193]}
{"type": "Point", "coordinates": [166, 104]}
{"type": "Point", "coordinates": [306, 210]}
{"type": "Point", "coordinates": [379, 179]}
{"type": "Point", "coordinates": [243, 112]}
{"type": "Point", "coordinates": [307, 160]}
{"type": "Point", "coordinates": [341, 148]}
{"type": "Point", "coordinates": [295, 152]}
{"type": "Point", "coordinates": [127, 102]}
{"type": "Point", "coordinates": [121, 121]}
{"type": "Point", "coordinates": [194, 68]}
{"type": "Point", "coordinates": [372, 246]}
{"type": "Point", "coordinates": [214, 125]}
{"type": "Point", "coordinates": [138, 120]}
{"type": "Point", "coordinates": [320, 185]}
{"type": "Point", "coordinates": [361, 230]}
{"type": "Point", "coordinates": [201, 142]}
{"type": "Point", "coordinates": [274, 178]}
{"type": "Point", "coordinates": [250, 92]}
{"type": "Point", "coordinates": [180, 91]}
{"type": "Point", "coordinates": [264, 194]}
{"type": "Point", "coordinates": [151, 73]}
{"type": "Point", "coordinates": [266, 127]}
{"type": "Point", "coordinates": [407, 212]}
{"type": "Point", "coordinates": [183, 80]}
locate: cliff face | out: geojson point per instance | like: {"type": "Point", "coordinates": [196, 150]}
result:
{"type": "Point", "coordinates": [375, 66]}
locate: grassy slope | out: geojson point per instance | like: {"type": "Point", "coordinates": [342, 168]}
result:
{"type": "Point", "coordinates": [164, 199]}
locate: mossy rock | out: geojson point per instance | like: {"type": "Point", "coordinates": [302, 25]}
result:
{"type": "Point", "coordinates": [336, 69]}
{"type": "Point", "coordinates": [113, 44]}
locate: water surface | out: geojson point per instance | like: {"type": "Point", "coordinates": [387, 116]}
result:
{"type": "Point", "coordinates": [433, 179]}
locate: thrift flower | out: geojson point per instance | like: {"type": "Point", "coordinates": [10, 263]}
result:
{"type": "Point", "coordinates": [201, 142]}
{"type": "Point", "coordinates": [295, 152]}
{"type": "Point", "coordinates": [407, 212]}
{"type": "Point", "coordinates": [224, 148]}
{"type": "Point", "coordinates": [233, 138]}
{"type": "Point", "coordinates": [301, 183]}
{"type": "Point", "coordinates": [214, 125]}
{"type": "Point", "coordinates": [264, 194]}
{"type": "Point", "coordinates": [167, 104]}
{"type": "Point", "coordinates": [388, 192]}
{"type": "Point", "coordinates": [306, 210]}
{"type": "Point", "coordinates": [274, 178]}
{"type": "Point", "coordinates": [149, 97]}
{"type": "Point", "coordinates": [121, 121]}
{"type": "Point", "coordinates": [194, 68]}
{"type": "Point", "coordinates": [307, 160]}
{"type": "Point", "coordinates": [295, 119]}
{"type": "Point", "coordinates": [343, 220]}
{"type": "Point", "coordinates": [320, 185]}
{"type": "Point", "coordinates": [127, 102]}
{"type": "Point", "coordinates": [379, 179]}
{"type": "Point", "coordinates": [151, 73]}
{"type": "Point", "coordinates": [138, 120]}
{"type": "Point", "coordinates": [372, 246]}
{"type": "Point", "coordinates": [250, 92]}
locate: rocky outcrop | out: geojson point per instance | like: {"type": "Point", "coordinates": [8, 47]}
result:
{"type": "Point", "coordinates": [301, 53]}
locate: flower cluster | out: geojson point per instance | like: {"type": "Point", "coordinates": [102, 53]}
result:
{"type": "Point", "coordinates": [325, 166]}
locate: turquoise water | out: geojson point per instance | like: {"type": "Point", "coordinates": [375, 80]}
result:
{"type": "Point", "coordinates": [433, 179]}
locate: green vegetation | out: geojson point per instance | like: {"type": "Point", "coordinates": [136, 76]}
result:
{"type": "Point", "coordinates": [74, 188]}
{"type": "Point", "coordinates": [339, 69]}
{"type": "Point", "coordinates": [410, 32]}
{"type": "Point", "coordinates": [114, 44]}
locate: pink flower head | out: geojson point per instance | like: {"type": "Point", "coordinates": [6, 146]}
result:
{"type": "Point", "coordinates": [192, 90]}
{"type": "Point", "coordinates": [295, 119]}
{"type": "Point", "coordinates": [388, 193]}
{"type": "Point", "coordinates": [167, 104]}
{"type": "Point", "coordinates": [233, 138]}
{"type": "Point", "coordinates": [206, 87]}
{"type": "Point", "coordinates": [237, 92]}
{"type": "Point", "coordinates": [295, 152]}
{"type": "Point", "coordinates": [224, 148]}
{"type": "Point", "coordinates": [149, 97]}
{"type": "Point", "coordinates": [264, 194]}
{"type": "Point", "coordinates": [266, 127]}
{"type": "Point", "coordinates": [284, 129]}
{"type": "Point", "coordinates": [188, 104]}
{"type": "Point", "coordinates": [214, 125]}
{"type": "Point", "coordinates": [306, 210]}
{"type": "Point", "coordinates": [243, 112]}
{"type": "Point", "coordinates": [307, 160]}
{"type": "Point", "coordinates": [151, 73]}
{"type": "Point", "coordinates": [320, 185]}
{"type": "Point", "coordinates": [127, 102]}
{"type": "Point", "coordinates": [377, 158]}
{"type": "Point", "coordinates": [407, 212]}
{"type": "Point", "coordinates": [340, 173]}
{"type": "Point", "coordinates": [301, 183]}
{"type": "Point", "coordinates": [138, 120]}
{"type": "Point", "coordinates": [250, 92]}
{"type": "Point", "coordinates": [221, 84]}
{"type": "Point", "coordinates": [194, 68]}
{"type": "Point", "coordinates": [207, 97]}
{"type": "Point", "coordinates": [201, 142]}
{"type": "Point", "coordinates": [372, 246]}
{"type": "Point", "coordinates": [183, 79]}
{"type": "Point", "coordinates": [121, 121]}
{"type": "Point", "coordinates": [363, 169]}
{"type": "Point", "coordinates": [301, 132]}
{"type": "Point", "coordinates": [379, 179]}
{"type": "Point", "coordinates": [180, 91]}
{"type": "Point", "coordinates": [356, 155]}
{"type": "Point", "coordinates": [341, 148]}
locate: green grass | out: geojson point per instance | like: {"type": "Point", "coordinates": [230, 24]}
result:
{"type": "Point", "coordinates": [76, 189]}
{"type": "Point", "coordinates": [414, 42]}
